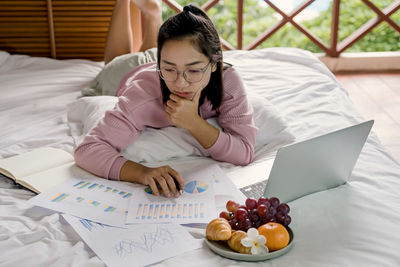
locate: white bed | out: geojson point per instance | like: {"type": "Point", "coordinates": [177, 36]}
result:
{"type": "Point", "coordinates": [356, 224]}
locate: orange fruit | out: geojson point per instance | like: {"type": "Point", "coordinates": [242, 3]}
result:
{"type": "Point", "coordinates": [276, 234]}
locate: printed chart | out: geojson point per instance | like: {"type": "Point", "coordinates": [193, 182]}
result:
{"type": "Point", "coordinates": [81, 199]}
{"type": "Point", "coordinates": [99, 200]}
{"type": "Point", "coordinates": [146, 211]}
{"type": "Point", "coordinates": [193, 187]}
{"type": "Point", "coordinates": [137, 245]}
{"type": "Point", "coordinates": [90, 226]}
{"type": "Point", "coordinates": [195, 205]}
{"type": "Point", "coordinates": [95, 186]}
{"type": "Point", "coordinates": [196, 187]}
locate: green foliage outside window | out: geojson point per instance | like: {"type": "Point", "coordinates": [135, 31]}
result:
{"type": "Point", "coordinates": [258, 17]}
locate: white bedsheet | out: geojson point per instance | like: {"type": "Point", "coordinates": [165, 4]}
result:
{"type": "Point", "coordinates": [356, 224]}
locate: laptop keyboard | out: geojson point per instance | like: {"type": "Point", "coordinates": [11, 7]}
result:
{"type": "Point", "coordinates": [254, 190]}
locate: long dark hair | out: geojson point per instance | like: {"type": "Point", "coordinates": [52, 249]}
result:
{"type": "Point", "coordinates": [193, 23]}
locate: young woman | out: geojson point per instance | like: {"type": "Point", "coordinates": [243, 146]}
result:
{"type": "Point", "coordinates": [187, 85]}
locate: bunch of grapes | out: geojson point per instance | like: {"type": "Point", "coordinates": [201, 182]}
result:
{"type": "Point", "coordinates": [256, 213]}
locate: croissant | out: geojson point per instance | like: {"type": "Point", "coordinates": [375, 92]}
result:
{"type": "Point", "coordinates": [235, 244]}
{"type": "Point", "coordinates": [218, 229]}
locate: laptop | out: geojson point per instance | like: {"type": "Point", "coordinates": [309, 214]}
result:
{"type": "Point", "coordinates": [313, 165]}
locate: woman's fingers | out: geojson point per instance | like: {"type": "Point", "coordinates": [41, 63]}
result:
{"type": "Point", "coordinates": [153, 187]}
{"type": "Point", "coordinates": [166, 179]}
{"type": "Point", "coordinates": [163, 184]}
{"type": "Point", "coordinates": [178, 178]}
{"type": "Point", "coordinates": [171, 184]}
{"type": "Point", "coordinates": [173, 103]}
{"type": "Point", "coordinates": [168, 110]}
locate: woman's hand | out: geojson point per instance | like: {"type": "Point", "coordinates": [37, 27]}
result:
{"type": "Point", "coordinates": [163, 176]}
{"type": "Point", "coordinates": [183, 112]}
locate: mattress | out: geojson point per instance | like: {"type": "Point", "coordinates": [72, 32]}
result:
{"type": "Point", "coordinates": [356, 224]}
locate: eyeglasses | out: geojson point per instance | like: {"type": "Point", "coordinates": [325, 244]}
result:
{"type": "Point", "coordinates": [191, 75]}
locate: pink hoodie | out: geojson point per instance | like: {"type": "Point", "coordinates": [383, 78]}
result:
{"type": "Point", "coordinates": [140, 105]}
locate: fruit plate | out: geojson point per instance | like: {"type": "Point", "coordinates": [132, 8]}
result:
{"type": "Point", "coordinates": [222, 248]}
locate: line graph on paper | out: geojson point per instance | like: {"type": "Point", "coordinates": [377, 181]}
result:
{"type": "Point", "coordinates": [145, 243]}
{"type": "Point", "coordinates": [136, 245]}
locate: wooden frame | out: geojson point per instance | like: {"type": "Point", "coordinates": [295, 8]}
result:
{"type": "Point", "coordinates": [333, 50]}
{"type": "Point", "coordinates": [77, 29]}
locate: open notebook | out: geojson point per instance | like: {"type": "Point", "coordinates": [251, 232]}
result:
{"type": "Point", "coordinates": [41, 169]}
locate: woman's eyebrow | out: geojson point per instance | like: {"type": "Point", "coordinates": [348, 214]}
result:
{"type": "Point", "coordinates": [188, 64]}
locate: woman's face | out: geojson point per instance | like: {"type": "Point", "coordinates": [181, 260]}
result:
{"type": "Point", "coordinates": [182, 56]}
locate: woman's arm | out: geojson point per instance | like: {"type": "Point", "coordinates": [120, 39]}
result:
{"type": "Point", "coordinates": [99, 153]}
{"type": "Point", "coordinates": [183, 113]}
{"type": "Point", "coordinates": [235, 143]}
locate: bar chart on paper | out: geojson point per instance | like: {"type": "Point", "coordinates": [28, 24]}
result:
{"type": "Point", "coordinates": [99, 200]}
{"type": "Point", "coordinates": [173, 211]}
{"type": "Point", "coordinates": [88, 202]}
{"type": "Point", "coordinates": [195, 205]}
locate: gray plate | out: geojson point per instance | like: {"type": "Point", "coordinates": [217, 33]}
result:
{"type": "Point", "coordinates": [222, 248]}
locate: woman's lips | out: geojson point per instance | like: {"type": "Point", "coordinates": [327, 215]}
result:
{"type": "Point", "coordinates": [183, 94]}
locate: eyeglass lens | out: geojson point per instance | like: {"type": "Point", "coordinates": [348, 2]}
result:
{"type": "Point", "coordinates": [190, 75]}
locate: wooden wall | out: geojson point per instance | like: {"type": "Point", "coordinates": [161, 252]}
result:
{"type": "Point", "coordinates": [55, 28]}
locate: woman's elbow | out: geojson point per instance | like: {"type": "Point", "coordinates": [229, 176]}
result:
{"type": "Point", "coordinates": [81, 156]}
{"type": "Point", "coordinates": [78, 156]}
{"type": "Point", "coordinates": [245, 157]}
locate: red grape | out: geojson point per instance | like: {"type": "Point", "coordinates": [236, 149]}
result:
{"type": "Point", "coordinates": [234, 224]}
{"type": "Point", "coordinates": [251, 203]}
{"type": "Point", "coordinates": [225, 215]}
{"type": "Point", "coordinates": [256, 212]}
{"type": "Point", "coordinates": [243, 207]}
{"type": "Point", "coordinates": [262, 210]}
{"type": "Point", "coordinates": [262, 200]}
{"type": "Point", "coordinates": [274, 202]}
{"type": "Point", "coordinates": [284, 208]}
{"type": "Point", "coordinates": [271, 211]}
{"type": "Point", "coordinates": [253, 216]}
{"type": "Point", "coordinates": [241, 214]}
{"type": "Point", "coordinates": [287, 220]}
{"type": "Point", "coordinates": [245, 224]}
{"type": "Point", "coordinates": [280, 217]}
{"type": "Point", "coordinates": [257, 224]}
{"type": "Point", "coordinates": [232, 206]}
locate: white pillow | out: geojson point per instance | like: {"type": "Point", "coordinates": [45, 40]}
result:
{"type": "Point", "coordinates": [155, 145]}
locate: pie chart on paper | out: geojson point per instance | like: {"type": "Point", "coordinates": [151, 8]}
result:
{"type": "Point", "coordinates": [196, 187]}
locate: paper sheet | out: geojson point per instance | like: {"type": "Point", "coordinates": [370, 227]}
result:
{"type": "Point", "coordinates": [225, 190]}
{"type": "Point", "coordinates": [139, 245]}
{"type": "Point", "coordinates": [96, 199]}
{"type": "Point", "coordinates": [195, 205]}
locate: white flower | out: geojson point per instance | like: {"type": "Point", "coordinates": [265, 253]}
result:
{"type": "Point", "coordinates": [255, 241]}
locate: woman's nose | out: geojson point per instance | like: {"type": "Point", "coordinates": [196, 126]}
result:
{"type": "Point", "coordinates": [181, 81]}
